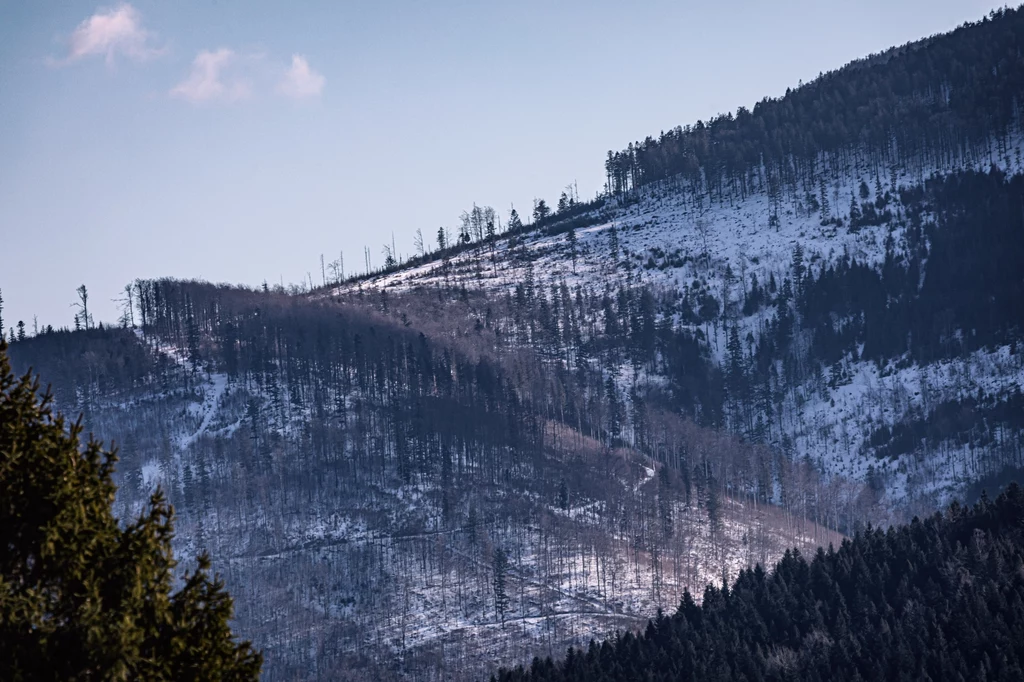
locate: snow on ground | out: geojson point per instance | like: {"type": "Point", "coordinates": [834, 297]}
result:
{"type": "Point", "coordinates": [701, 241]}
{"type": "Point", "coordinates": [563, 590]}
{"type": "Point", "coordinates": [835, 423]}
{"type": "Point", "coordinates": [401, 586]}
{"type": "Point", "coordinates": [213, 391]}
{"type": "Point", "coordinates": [434, 590]}
{"type": "Point", "coordinates": [687, 245]}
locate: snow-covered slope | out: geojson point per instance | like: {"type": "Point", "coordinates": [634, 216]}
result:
{"type": "Point", "coordinates": [671, 238]}
{"type": "Point", "coordinates": [369, 576]}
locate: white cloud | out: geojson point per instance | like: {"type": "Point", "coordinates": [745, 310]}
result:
{"type": "Point", "coordinates": [110, 33]}
{"type": "Point", "coordinates": [206, 81]}
{"type": "Point", "coordinates": [300, 80]}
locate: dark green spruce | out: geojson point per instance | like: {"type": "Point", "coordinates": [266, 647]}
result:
{"type": "Point", "coordinates": [82, 596]}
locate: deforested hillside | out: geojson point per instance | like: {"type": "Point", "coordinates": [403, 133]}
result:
{"type": "Point", "coordinates": [941, 599]}
{"type": "Point", "coordinates": [404, 484]}
{"type": "Point", "coordinates": [847, 256]}
{"type": "Point", "coordinates": [827, 340]}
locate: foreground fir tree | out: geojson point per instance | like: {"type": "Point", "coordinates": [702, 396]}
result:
{"type": "Point", "coordinates": [82, 597]}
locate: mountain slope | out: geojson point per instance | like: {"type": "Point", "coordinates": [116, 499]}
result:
{"type": "Point", "coordinates": [366, 487]}
{"type": "Point", "coordinates": [861, 296]}
{"type": "Point", "coordinates": [725, 269]}
{"type": "Point", "coordinates": [939, 599]}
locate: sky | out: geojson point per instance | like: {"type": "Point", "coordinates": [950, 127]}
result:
{"type": "Point", "coordinates": [238, 140]}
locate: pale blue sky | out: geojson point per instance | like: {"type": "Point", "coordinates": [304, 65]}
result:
{"type": "Point", "coordinates": [238, 140]}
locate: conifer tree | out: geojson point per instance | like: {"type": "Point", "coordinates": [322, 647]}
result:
{"type": "Point", "coordinates": [515, 223]}
{"type": "Point", "coordinates": [826, 211]}
{"type": "Point", "coordinates": [541, 210]}
{"type": "Point", "coordinates": [736, 374]}
{"type": "Point", "coordinates": [490, 227]}
{"type": "Point", "coordinates": [714, 506]}
{"type": "Point", "coordinates": [855, 215]}
{"type": "Point", "coordinates": [501, 600]}
{"type": "Point", "coordinates": [572, 240]}
{"type": "Point", "coordinates": [83, 596]}
{"type": "Point", "coordinates": [83, 305]}
{"type": "Point", "coordinates": [799, 270]}
{"type": "Point", "coordinates": [563, 203]}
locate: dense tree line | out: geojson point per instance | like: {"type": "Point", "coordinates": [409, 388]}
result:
{"type": "Point", "coordinates": [956, 289]}
{"type": "Point", "coordinates": [943, 98]}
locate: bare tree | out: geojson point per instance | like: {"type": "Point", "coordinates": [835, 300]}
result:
{"type": "Point", "coordinates": [83, 306]}
{"type": "Point", "coordinates": [127, 305]}
{"type": "Point", "coordinates": [417, 242]}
